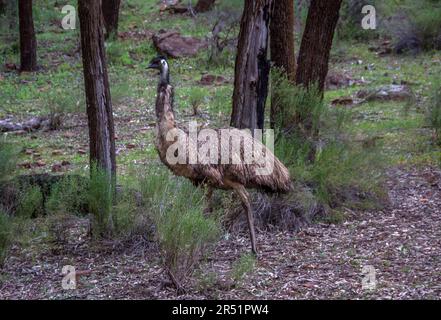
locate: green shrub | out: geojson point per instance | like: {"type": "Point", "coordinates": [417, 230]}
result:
{"type": "Point", "coordinates": [243, 266]}
{"type": "Point", "coordinates": [299, 111]}
{"type": "Point", "coordinates": [5, 236]}
{"type": "Point", "coordinates": [338, 171]}
{"type": "Point", "coordinates": [31, 202]}
{"type": "Point", "coordinates": [196, 97]}
{"type": "Point", "coordinates": [182, 231]}
{"type": "Point", "coordinates": [100, 200]}
{"type": "Point", "coordinates": [8, 158]}
{"type": "Point", "coordinates": [434, 110]}
{"type": "Point", "coordinates": [415, 26]}
{"type": "Point", "coordinates": [70, 195]}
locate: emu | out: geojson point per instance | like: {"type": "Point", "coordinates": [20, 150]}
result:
{"type": "Point", "coordinates": [235, 175]}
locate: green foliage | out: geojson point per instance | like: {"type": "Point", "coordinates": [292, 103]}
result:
{"type": "Point", "coordinates": [117, 53]}
{"type": "Point", "coordinates": [5, 235]}
{"type": "Point", "coordinates": [243, 266]}
{"type": "Point", "coordinates": [300, 110]}
{"type": "Point", "coordinates": [70, 195]}
{"type": "Point", "coordinates": [8, 160]}
{"type": "Point", "coordinates": [426, 19]}
{"type": "Point", "coordinates": [182, 231]}
{"type": "Point", "coordinates": [100, 199]}
{"type": "Point", "coordinates": [434, 110]}
{"type": "Point", "coordinates": [31, 202]}
{"type": "Point", "coordinates": [196, 97]}
{"type": "Point", "coordinates": [314, 147]}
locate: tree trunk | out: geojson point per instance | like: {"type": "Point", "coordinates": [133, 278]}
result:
{"type": "Point", "coordinates": [317, 42]}
{"type": "Point", "coordinates": [99, 106]}
{"type": "Point", "coordinates": [28, 42]}
{"type": "Point", "coordinates": [282, 47]}
{"type": "Point", "coordinates": [111, 15]}
{"type": "Point", "coordinates": [252, 66]}
{"type": "Point", "coordinates": [204, 5]}
{"type": "Point", "coordinates": [2, 6]}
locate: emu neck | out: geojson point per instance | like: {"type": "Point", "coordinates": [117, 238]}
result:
{"type": "Point", "coordinates": [165, 117]}
{"type": "Point", "coordinates": [165, 76]}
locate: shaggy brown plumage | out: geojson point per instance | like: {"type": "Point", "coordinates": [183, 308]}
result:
{"type": "Point", "coordinates": [237, 176]}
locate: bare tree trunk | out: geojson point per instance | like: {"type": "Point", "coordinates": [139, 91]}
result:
{"type": "Point", "coordinates": [99, 106]}
{"type": "Point", "coordinates": [111, 16]}
{"type": "Point", "coordinates": [317, 42]}
{"type": "Point", "coordinates": [282, 47]}
{"type": "Point", "coordinates": [28, 41]}
{"type": "Point", "coordinates": [252, 66]}
{"type": "Point", "coordinates": [2, 6]}
{"type": "Point", "coordinates": [204, 5]}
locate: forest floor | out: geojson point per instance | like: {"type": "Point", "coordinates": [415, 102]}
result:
{"type": "Point", "coordinates": [401, 243]}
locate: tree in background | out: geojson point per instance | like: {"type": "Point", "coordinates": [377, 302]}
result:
{"type": "Point", "coordinates": [317, 42]}
{"type": "Point", "coordinates": [2, 6]}
{"type": "Point", "coordinates": [111, 15]}
{"type": "Point", "coordinates": [204, 5]}
{"type": "Point", "coordinates": [282, 47]}
{"type": "Point", "coordinates": [28, 41]}
{"type": "Point", "coordinates": [99, 105]}
{"type": "Point", "coordinates": [252, 67]}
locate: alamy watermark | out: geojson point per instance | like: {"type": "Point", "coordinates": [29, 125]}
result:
{"type": "Point", "coordinates": [369, 22]}
{"type": "Point", "coordinates": [369, 281]}
{"type": "Point", "coordinates": [221, 147]}
{"type": "Point", "coordinates": [69, 281]}
{"type": "Point", "coordinates": [69, 21]}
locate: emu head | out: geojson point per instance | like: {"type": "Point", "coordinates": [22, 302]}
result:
{"type": "Point", "coordinates": [160, 63]}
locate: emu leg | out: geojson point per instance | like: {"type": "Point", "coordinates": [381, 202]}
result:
{"type": "Point", "coordinates": [209, 200]}
{"type": "Point", "coordinates": [244, 196]}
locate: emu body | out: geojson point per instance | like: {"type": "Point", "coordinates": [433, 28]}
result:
{"type": "Point", "coordinates": [234, 175]}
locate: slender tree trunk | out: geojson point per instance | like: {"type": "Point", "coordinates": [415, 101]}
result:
{"type": "Point", "coordinates": [28, 42]}
{"type": "Point", "coordinates": [99, 106]}
{"type": "Point", "coordinates": [2, 6]}
{"type": "Point", "coordinates": [204, 5]}
{"type": "Point", "coordinates": [317, 42]}
{"type": "Point", "coordinates": [252, 66]}
{"type": "Point", "coordinates": [111, 16]}
{"type": "Point", "coordinates": [282, 47]}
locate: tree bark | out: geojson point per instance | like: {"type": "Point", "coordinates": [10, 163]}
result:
{"type": "Point", "coordinates": [111, 16]}
{"type": "Point", "coordinates": [282, 47]}
{"type": "Point", "coordinates": [252, 67]}
{"type": "Point", "coordinates": [2, 6]}
{"type": "Point", "coordinates": [204, 5]}
{"type": "Point", "coordinates": [99, 106]}
{"type": "Point", "coordinates": [317, 42]}
{"type": "Point", "coordinates": [28, 41]}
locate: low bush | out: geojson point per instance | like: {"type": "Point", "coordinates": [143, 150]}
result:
{"type": "Point", "coordinates": [183, 233]}
{"type": "Point", "coordinates": [5, 236]}
{"type": "Point", "coordinates": [434, 110]}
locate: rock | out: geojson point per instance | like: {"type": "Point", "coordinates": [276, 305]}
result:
{"type": "Point", "coordinates": [174, 45]}
{"type": "Point", "coordinates": [340, 80]}
{"type": "Point", "coordinates": [57, 167]}
{"type": "Point", "coordinates": [345, 101]}
{"type": "Point", "coordinates": [136, 35]}
{"type": "Point", "coordinates": [209, 79]}
{"type": "Point", "coordinates": [386, 93]}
